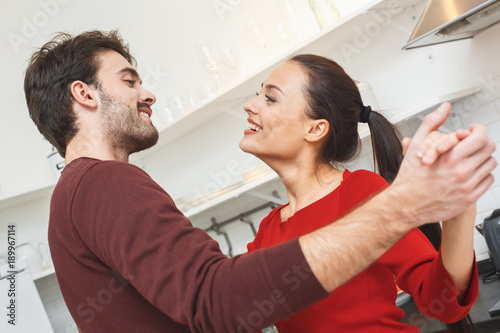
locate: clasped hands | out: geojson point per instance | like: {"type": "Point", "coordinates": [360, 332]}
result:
{"type": "Point", "coordinates": [450, 171]}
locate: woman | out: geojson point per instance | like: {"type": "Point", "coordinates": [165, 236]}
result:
{"type": "Point", "coordinates": [303, 123]}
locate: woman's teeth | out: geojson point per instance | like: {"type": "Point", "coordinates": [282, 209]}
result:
{"type": "Point", "coordinates": [254, 127]}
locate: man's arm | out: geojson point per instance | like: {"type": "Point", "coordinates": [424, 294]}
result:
{"type": "Point", "coordinates": [420, 194]}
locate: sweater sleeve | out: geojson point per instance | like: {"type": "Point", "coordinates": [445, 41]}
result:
{"type": "Point", "coordinates": [133, 226]}
{"type": "Point", "coordinates": [417, 266]}
{"type": "Point", "coordinates": [419, 271]}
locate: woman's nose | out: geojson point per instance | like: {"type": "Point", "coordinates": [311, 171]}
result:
{"type": "Point", "coordinates": [250, 106]}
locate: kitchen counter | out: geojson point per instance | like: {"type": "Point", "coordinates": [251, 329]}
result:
{"type": "Point", "coordinates": [489, 296]}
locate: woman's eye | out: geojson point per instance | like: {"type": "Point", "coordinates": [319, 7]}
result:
{"type": "Point", "coordinates": [270, 99]}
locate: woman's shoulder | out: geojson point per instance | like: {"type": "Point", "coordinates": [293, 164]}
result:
{"type": "Point", "coordinates": [364, 177]}
{"type": "Point", "coordinates": [360, 185]}
{"type": "Point", "coordinates": [272, 214]}
{"type": "Point", "coordinates": [264, 228]}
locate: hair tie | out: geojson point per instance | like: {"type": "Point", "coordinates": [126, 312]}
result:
{"type": "Point", "coordinates": [365, 114]}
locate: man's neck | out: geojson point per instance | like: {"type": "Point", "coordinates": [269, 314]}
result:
{"type": "Point", "coordinates": [92, 147]}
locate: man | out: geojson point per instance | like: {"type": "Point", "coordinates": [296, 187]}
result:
{"type": "Point", "coordinates": [128, 261]}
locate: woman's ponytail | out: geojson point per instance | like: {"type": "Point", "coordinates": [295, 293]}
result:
{"type": "Point", "coordinates": [386, 143]}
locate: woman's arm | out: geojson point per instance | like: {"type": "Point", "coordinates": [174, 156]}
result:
{"type": "Point", "coordinates": [457, 249]}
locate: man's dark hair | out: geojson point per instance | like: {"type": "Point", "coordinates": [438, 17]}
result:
{"type": "Point", "coordinates": [53, 69]}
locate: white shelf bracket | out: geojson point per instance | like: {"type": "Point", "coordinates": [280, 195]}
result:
{"type": "Point", "coordinates": [250, 223]}
{"type": "Point", "coordinates": [220, 231]}
{"type": "Point", "coordinates": [455, 120]}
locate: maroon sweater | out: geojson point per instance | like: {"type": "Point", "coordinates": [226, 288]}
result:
{"type": "Point", "coordinates": [127, 260]}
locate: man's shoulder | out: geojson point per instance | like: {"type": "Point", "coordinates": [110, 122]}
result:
{"type": "Point", "coordinates": [94, 173]}
{"type": "Point", "coordinates": [85, 165]}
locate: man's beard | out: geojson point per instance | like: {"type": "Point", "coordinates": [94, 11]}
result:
{"type": "Point", "coordinates": [124, 129]}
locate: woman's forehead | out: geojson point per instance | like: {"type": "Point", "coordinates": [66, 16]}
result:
{"type": "Point", "coordinates": [289, 76]}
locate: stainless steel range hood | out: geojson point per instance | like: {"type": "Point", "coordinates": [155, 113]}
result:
{"type": "Point", "coordinates": [450, 20]}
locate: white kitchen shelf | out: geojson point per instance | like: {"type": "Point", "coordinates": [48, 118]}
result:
{"type": "Point", "coordinates": [43, 273]}
{"type": "Point", "coordinates": [26, 196]}
{"type": "Point", "coordinates": [227, 196]}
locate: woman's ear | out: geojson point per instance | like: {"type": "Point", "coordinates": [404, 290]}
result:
{"type": "Point", "coordinates": [83, 94]}
{"type": "Point", "coordinates": [318, 129]}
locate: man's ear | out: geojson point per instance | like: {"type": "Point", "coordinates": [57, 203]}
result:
{"type": "Point", "coordinates": [317, 130]}
{"type": "Point", "coordinates": [83, 94]}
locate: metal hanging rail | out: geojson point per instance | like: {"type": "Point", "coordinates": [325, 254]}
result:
{"type": "Point", "coordinates": [217, 226]}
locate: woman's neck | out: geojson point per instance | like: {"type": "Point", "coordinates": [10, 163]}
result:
{"type": "Point", "coordinates": [305, 185]}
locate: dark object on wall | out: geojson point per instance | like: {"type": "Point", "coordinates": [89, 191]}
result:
{"type": "Point", "coordinates": [490, 229]}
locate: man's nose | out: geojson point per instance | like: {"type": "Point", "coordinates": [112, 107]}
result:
{"type": "Point", "coordinates": [148, 97]}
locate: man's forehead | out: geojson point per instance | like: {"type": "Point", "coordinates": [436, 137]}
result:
{"type": "Point", "coordinates": [112, 61]}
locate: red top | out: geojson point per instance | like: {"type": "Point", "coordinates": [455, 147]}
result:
{"type": "Point", "coordinates": [127, 260]}
{"type": "Point", "coordinates": [367, 302]}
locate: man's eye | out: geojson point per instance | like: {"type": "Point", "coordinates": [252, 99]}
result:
{"type": "Point", "coordinates": [131, 82]}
